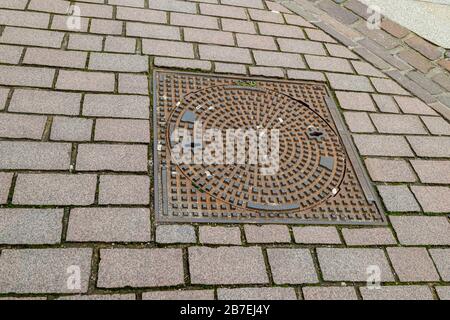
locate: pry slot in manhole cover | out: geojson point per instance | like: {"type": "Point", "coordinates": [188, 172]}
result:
{"type": "Point", "coordinates": [304, 170]}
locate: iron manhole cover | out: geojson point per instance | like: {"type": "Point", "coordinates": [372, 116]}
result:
{"type": "Point", "coordinates": [233, 150]}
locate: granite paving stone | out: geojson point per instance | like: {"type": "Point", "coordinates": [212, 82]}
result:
{"type": "Point", "coordinates": [301, 46]}
{"type": "Point", "coordinates": [316, 235]}
{"type": "Point", "coordinates": [430, 171]}
{"type": "Point", "coordinates": [182, 63]}
{"type": "Point", "coordinates": [179, 295]}
{"type": "Point", "coordinates": [71, 129]}
{"type": "Point", "coordinates": [329, 293]}
{"type": "Point", "coordinates": [328, 64]}
{"type": "Point", "coordinates": [267, 234]}
{"type": "Point", "coordinates": [226, 54]}
{"type": "Point", "coordinates": [340, 51]}
{"type": "Point", "coordinates": [279, 30]}
{"type": "Point", "coordinates": [256, 42]}
{"type": "Point", "coordinates": [272, 293]}
{"type": "Point", "coordinates": [168, 48]}
{"type": "Point", "coordinates": [26, 76]}
{"type": "Point", "coordinates": [441, 258]}
{"type": "Point", "coordinates": [349, 82]}
{"type": "Point", "coordinates": [193, 20]}
{"type": "Point", "coordinates": [437, 125]}
{"type": "Point", "coordinates": [222, 11]}
{"type": "Point", "coordinates": [420, 230]}
{"type": "Point", "coordinates": [118, 62]}
{"type": "Point", "coordinates": [5, 185]}
{"type": "Point", "coordinates": [267, 16]}
{"type": "Point", "coordinates": [116, 106]}
{"type": "Point", "coordinates": [118, 130]}
{"type": "Point", "coordinates": [385, 103]}
{"type": "Point", "coordinates": [240, 26]}
{"type": "Point", "coordinates": [389, 170]}
{"type": "Point", "coordinates": [133, 84]}
{"type": "Point", "coordinates": [144, 15]}
{"type": "Point", "coordinates": [398, 199]}
{"type": "Point", "coordinates": [219, 235]}
{"type": "Point", "coordinates": [434, 147]}
{"type": "Point", "coordinates": [443, 292]}
{"type": "Point", "coordinates": [413, 106]}
{"type": "Point", "coordinates": [368, 236]}
{"type": "Point", "coordinates": [292, 266]}
{"type": "Point", "coordinates": [278, 59]}
{"type": "Point", "coordinates": [359, 122]}
{"type": "Point", "coordinates": [397, 293]}
{"type": "Point", "coordinates": [433, 199]}
{"type": "Point", "coordinates": [175, 234]}
{"type": "Point", "coordinates": [85, 81]}
{"type": "Point", "coordinates": [388, 86]}
{"type": "Point", "coordinates": [267, 72]}
{"type": "Point", "coordinates": [22, 126]}
{"type": "Point", "coordinates": [382, 145]}
{"type": "Point", "coordinates": [413, 264]}
{"type": "Point", "coordinates": [399, 124]}
{"type": "Point", "coordinates": [124, 189]}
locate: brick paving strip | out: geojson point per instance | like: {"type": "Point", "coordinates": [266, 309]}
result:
{"type": "Point", "coordinates": [76, 159]}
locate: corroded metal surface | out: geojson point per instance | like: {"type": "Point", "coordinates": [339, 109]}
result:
{"type": "Point", "coordinates": [315, 182]}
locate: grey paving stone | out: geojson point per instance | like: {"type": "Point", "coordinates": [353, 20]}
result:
{"type": "Point", "coordinates": [154, 31]}
{"type": "Point", "coordinates": [5, 185]}
{"type": "Point", "coordinates": [131, 3]}
{"type": "Point", "coordinates": [100, 297]}
{"type": "Point", "coordinates": [230, 68]}
{"type": "Point", "coordinates": [316, 235]}
{"type": "Point", "coordinates": [85, 81]}
{"type": "Point", "coordinates": [49, 6]}
{"type": "Point", "coordinates": [278, 59]}
{"type": "Point", "coordinates": [306, 75]}
{"type": "Point", "coordinates": [244, 3]}
{"type": "Point", "coordinates": [140, 268]}
{"type": "Point", "coordinates": [208, 36]}
{"type": "Point", "coordinates": [173, 5]}
{"type": "Point", "coordinates": [34, 155]}
{"type": "Point", "coordinates": [26, 76]}
{"type": "Point", "coordinates": [339, 264]}
{"type": "Point", "coordinates": [272, 293]}
{"type": "Point", "coordinates": [329, 293]}
{"type": "Point", "coordinates": [274, 6]}
{"type": "Point", "coordinates": [193, 20]}
{"type": "Point", "coordinates": [59, 22]}
{"type": "Point", "coordinates": [179, 295]}
{"type": "Point", "coordinates": [424, 82]}
{"type": "Point", "coordinates": [292, 266]}
{"type": "Point", "coordinates": [441, 258]}
{"type": "Point", "coordinates": [143, 15]}
{"type": "Point", "coordinates": [355, 101]}
{"type": "Point", "coordinates": [349, 82]}
{"type": "Point", "coordinates": [280, 30]}
{"type": "Point", "coordinates": [443, 292]}
{"type": "Point", "coordinates": [21, 126]}
{"type": "Point", "coordinates": [256, 42]}
{"type": "Point", "coordinates": [413, 264]}
{"type": "Point", "coordinates": [226, 54]}
{"type": "Point", "coordinates": [319, 35]}
{"type": "Point", "coordinates": [222, 11]}
{"type": "Point", "coordinates": [120, 44]}
{"type": "Point", "coordinates": [116, 106]}
{"type": "Point", "coordinates": [111, 157]}
{"type": "Point", "coordinates": [397, 293]}
{"type": "Point", "coordinates": [329, 64]}
{"type": "Point", "coordinates": [95, 10]}
{"type": "Point", "coordinates": [437, 125]}
{"type": "Point", "coordinates": [365, 69]}
{"type": "Point", "coordinates": [400, 124]}
{"type": "Point", "coordinates": [119, 130]}
{"type": "Point", "coordinates": [124, 189]}
{"type": "Point", "coordinates": [85, 42]}
{"type": "Point", "coordinates": [55, 189]}
{"type": "Point", "coordinates": [31, 226]}
{"type": "Point", "coordinates": [109, 225]}
{"type": "Point", "coordinates": [389, 170]}
{"type": "Point", "coordinates": [168, 48]}
{"type": "Point", "coordinates": [431, 146]}
{"type": "Point", "coordinates": [398, 199]}
{"type": "Point", "coordinates": [433, 199]}
{"type": "Point", "coordinates": [71, 129]}
{"type": "Point", "coordinates": [414, 106]}
{"type": "Point", "coordinates": [32, 37]}
{"type": "Point", "coordinates": [175, 234]}
{"type": "Point", "coordinates": [419, 230]}
{"type": "Point", "coordinates": [219, 235]}
{"type": "Point", "coordinates": [267, 16]}
{"type": "Point", "coordinates": [340, 51]}
{"type": "Point", "coordinates": [388, 86]}
{"type": "Point", "coordinates": [227, 265]}
{"type": "Point", "coordinates": [297, 21]}
{"type": "Point", "coordinates": [430, 171]}
{"type": "Point", "coordinates": [267, 234]}
{"type": "Point", "coordinates": [267, 72]}
{"type": "Point", "coordinates": [382, 145]}
{"type": "Point", "coordinates": [368, 236]}
{"type": "Point", "coordinates": [182, 63]}
{"type": "Point", "coordinates": [133, 83]}
{"type": "Point", "coordinates": [359, 122]}
{"type": "Point", "coordinates": [3, 97]}
{"type": "Point", "coordinates": [301, 46]}
{"type": "Point", "coordinates": [386, 103]}
{"type": "Point", "coordinates": [55, 57]}
{"type": "Point", "coordinates": [10, 54]}
{"type": "Point", "coordinates": [118, 62]}
{"type": "Point", "coordinates": [14, 4]}
{"type": "Point", "coordinates": [240, 26]}
{"type": "Point", "coordinates": [45, 102]}
{"type": "Point", "coordinates": [44, 270]}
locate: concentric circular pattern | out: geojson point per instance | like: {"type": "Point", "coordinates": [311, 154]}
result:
{"type": "Point", "coordinates": [311, 158]}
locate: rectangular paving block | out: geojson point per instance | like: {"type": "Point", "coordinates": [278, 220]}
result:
{"type": "Point", "coordinates": [420, 230]}
{"type": "Point", "coordinates": [359, 122]}
{"type": "Point", "coordinates": [99, 297]}
{"type": "Point", "coordinates": [45, 102]}
{"type": "Point", "coordinates": [355, 101]}
{"type": "Point", "coordinates": [441, 258]}
{"type": "Point", "coordinates": [24, 19]}
{"type": "Point", "coordinates": [414, 106]}
{"type": "Point", "coordinates": [432, 171]}
{"type": "Point", "coordinates": [176, 233]}
{"type": "Point", "coordinates": [202, 294]}
{"type": "Point", "coordinates": [34, 155]}
{"type": "Point", "coordinates": [256, 42]}
{"type": "Point", "coordinates": [389, 170]}
{"type": "Point", "coordinates": [267, 72]}
{"type": "Point", "coordinates": [433, 199]}
{"type": "Point", "coordinates": [329, 293]}
{"type": "Point", "coordinates": [45, 270]}
{"type": "Point", "coordinates": [341, 51]}
{"type": "Point", "coordinates": [5, 185]}
{"type": "Point", "coordinates": [32, 37]}
{"type": "Point", "coordinates": [279, 30]}
{"type": "Point", "coordinates": [31, 226]}
{"type": "Point", "coordinates": [14, 4]}
{"type": "Point", "coordinates": [124, 189]}
{"type": "Point", "coordinates": [10, 54]}
{"type": "Point", "coordinates": [329, 64]}
{"type": "Point", "coordinates": [301, 46]}
{"type": "Point", "coordinates": [85, 81]}
{"type": "Point", "coordinates": [386, 103]}
{"type": "Point", "coordinates": [366, 69]}
{"type": "Point", "coordinates": [413, 264]}
{"type": "Point", "coordinates": [292, 266]}
{"type": "Point", "coordinates": [339, 264]}
{"type": "Point", "coordinates": [222, 11]}
{"type": "Point", "coordinates": [26, 76]}
{"type": "Point", "coordinates": [399, 124]}
{"type": "Point", "coordinates": [279, 59]}
{"type": "Point", "coordinates": [409, 292]}
{"type": "Point", "coordinates": [144, 15]}
{"type": "Point", "coordinates": [120, 44]}
{"type": "Point", "coordinates": [116, 106]}
{"type": "Point", "coordinates": [21, 126]}
{"type": "Point", "coordinates": [382, 145]}
{"type": "Point", "coordinates": [230, 68]}
{"type": "Point", "coordinates": [131, 3]}
{"type": "Point", "coordinates": [56, 58]}
{"type": "Point", "coordinates": [239, 26]}
{"type": "Point", "coordinates": [245, 3]}
{"type": "Point", "coordinates": [431, 146]}
{"type": "Point", "coordinates": [121, 268]}
{"type": "Point", "coordinates": [208, 36]}
{"type": "Point", "coordinates": [264, 15]}
{"type": "Point", "coordinates": [443, 292]}
{"type": "Point", "coordinates": [316, 235]}
{"type": "Point", "coordinates": [349, 82]}
{"type": "Point", "coordinates": [227, 265]}
{"type": "Point", "coordinates": [154, 31]}
{"type": "Point", "coordinates": [368, 236]}
{"type": "Point", "coordinates": [173, 5]}
{"type": "Point", "coordinates": [388, 86]}
{"type": "Point", "coordinates": [306, 75]}
{"type": "Point", "coordinates": [49, 6]}
{"type": "Point", "coordinates": [55, 189]}
{"type": "Point", "coordinates": [267, 234]}
{"type": "Point", "coordinates": [272, 293]}
{"type": "Point", "coordinates": [85, 42]}
{"type": "Point", "coordinates": [398, 199]}
{"type": "Point", "coordinates": [219, 235]}
{"type": "Point", "coordinates": [4, 93]}
{"type": "Point", "coordinates": [168, 48]}
{"type": "Point", "coordinates": [193, 20]}
{"type": "Point", "coordinates": [118, 62]}
{"type": "Point", "coordinates": [71, 129]}
{"type": "Point", "coordinates": [226, 54]}
{"type": "Point", "coordinates": [61, 23]}
{"type": "Point", "coordinates": [133, 83]}
{"type": "Point", "coordinates": [119, 130]}
{"type": "Point", "coordinates": [437, 125]}
{"type": "Point", "coordinates": [112, 157]}
{"type": "Point", "coordinates": [109, 225]}
{"type": "Point", "coordinates": [182, 63]}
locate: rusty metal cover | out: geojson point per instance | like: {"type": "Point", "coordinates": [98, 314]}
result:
{"type": "Point", "coordinates": [319, 178]}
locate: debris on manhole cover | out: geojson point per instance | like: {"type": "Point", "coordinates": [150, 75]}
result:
{"type": "Point", "coordinates": [230, 150]}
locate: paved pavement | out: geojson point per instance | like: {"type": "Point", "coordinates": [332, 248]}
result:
{"type": "Point", "coordinates": [76, 220]}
